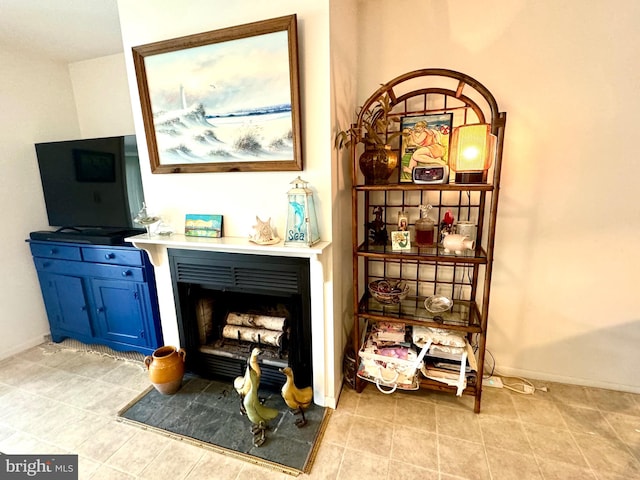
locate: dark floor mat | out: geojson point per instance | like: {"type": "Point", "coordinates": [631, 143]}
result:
{"type": "Point", "coordinates": [207, 412]}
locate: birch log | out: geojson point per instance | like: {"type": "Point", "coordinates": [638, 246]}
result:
{"type": "Point", "coordinates": [256, 321]}
{"type": "Point", "coordinates": [248, 334]}
{"type": "Point", "coordinates": [204, 317]}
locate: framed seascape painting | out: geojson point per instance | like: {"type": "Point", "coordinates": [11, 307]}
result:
{"type": "Point", "coordinates": [425, 142]}
{"type": "Point", "coordinates": [221, 101]}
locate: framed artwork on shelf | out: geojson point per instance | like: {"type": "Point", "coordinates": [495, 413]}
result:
{"type": "Point", "coordinates": [222, 101]}
{"type": "Point", "coordinates": [400, 240]}
{"type": "Point", "coordinates": [197, 225]}
{"type": "Point", "coordinates": [424, 142]}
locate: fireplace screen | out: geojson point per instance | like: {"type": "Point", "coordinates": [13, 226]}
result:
{"type": "Point", "coordinates": [228, 304]}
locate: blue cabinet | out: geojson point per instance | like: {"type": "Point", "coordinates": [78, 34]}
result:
{"type": "Point", "coordinates": [66, 305]}
{"type": "Point", "coordinates": [99, 294]}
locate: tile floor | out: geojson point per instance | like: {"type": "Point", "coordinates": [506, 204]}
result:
{"type": "Point", "coordinates": [56, 400]}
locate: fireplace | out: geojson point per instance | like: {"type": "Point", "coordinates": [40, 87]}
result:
{"type": "Point", "coordinates": [229, 303]}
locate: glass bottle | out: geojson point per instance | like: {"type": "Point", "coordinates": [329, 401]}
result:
{"type": "Point", "coordinates": [424, 227]}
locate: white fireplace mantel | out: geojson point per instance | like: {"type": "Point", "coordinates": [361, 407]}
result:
{"type": "Point", "coordinates": [325, 384]}
{"type": "Point", "coordinates": [154, 245]}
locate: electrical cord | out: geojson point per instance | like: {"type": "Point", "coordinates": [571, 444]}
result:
{"type": "Point", "coordinates": [491, 370]}
{"type": "Point", "coordinates": [518, 385]}
{"type": "Point", "coordinates": [521, 385]}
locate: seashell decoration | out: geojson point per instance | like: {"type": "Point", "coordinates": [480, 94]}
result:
{"type": "Point", "coordinates": [264, 234]}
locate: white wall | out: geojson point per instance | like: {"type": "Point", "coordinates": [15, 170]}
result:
{"type": "Point", "coordinates": [240, 196]}
{"type": "Point", "coordinates": [342, 97]}
{"type": "Point", "coordinates": [101, 93]}
{"type": "Point", "coordinates": [37, 106]}
{"type": "Point", "coordinates": [564, 297]}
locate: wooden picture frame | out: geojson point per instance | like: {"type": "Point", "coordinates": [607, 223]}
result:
{"type": "Point", "coordinates": [428, 147]}
{"type": "Point", "coordinates": [223, 101]}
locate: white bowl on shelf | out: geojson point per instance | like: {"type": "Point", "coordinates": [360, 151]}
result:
{"type": "Point", "coordinates": [438, 304]}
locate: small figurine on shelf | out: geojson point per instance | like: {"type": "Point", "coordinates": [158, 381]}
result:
{"type": "Point", "coordinates": [446, 225]}
{"type": "Point", "coordinates": [164, 229]}
{"type": "Point", "coordinates": [264, 234]}
{"type": "Point", "coordinates": [377, 231]}
{"type": "Point", "coordinates": [403, 221]}
{"type": "Point", "coordinates": [144, 219]}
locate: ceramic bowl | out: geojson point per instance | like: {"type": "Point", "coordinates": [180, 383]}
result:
{"type": "Point", "coordinates": [388, 292]}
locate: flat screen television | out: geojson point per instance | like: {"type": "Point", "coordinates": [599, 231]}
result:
{"type": "Point", "coordinates": [91, 185]}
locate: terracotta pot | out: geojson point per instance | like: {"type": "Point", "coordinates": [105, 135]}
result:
{"type": "Point", "coordinates": [377, 163]}
{"type": "Point", "coordinates": [166, 369]}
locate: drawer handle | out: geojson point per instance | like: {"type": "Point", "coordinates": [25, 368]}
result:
{"type": "Point", "coordinates": [110, 256]}
{"type": "Point", "coordinates": [100, 309]}
{"type": "Point", "coordinates": [126, 273]}
{"type": "Point", "coordinates": [53, 251]}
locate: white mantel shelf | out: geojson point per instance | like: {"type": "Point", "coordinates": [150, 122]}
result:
{"type": "Point", "coordinates": [154, 245]}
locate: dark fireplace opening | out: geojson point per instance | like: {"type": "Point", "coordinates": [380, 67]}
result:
{"type": "Point", "coordinates": [229, 303]}
{"type": "Point", "coordinates": [233, 323]}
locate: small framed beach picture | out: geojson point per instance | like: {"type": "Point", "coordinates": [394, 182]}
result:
{"type": "Point", "coordinates": [197, 225]}
{"type": "Point", "coordinates": [425, 141]}
{"type": "Point", "coordinates": [400, 240]}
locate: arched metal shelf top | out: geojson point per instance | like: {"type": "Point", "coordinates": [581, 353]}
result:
{"type": "Point", "coordinates": [389, 88]}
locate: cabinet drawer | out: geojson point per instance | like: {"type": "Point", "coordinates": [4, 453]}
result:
{"type": "Point", "coordinates": [113, 256]}
{"type": "Point", "coordinates": [62, 267]}
{"type": "Point", "coordinates": [50, 250]}
{"type": "Point", "coordinates": [116, 272]}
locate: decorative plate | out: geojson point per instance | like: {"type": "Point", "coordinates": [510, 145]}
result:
{"type": "Point", "coordinates": [438, 303]}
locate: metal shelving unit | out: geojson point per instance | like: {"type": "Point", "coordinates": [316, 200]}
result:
{"type": "Point", "coordinates": [466, 278]}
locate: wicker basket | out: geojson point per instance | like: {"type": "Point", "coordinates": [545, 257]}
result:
{"type": "Point", "coordinates": [388, 292]}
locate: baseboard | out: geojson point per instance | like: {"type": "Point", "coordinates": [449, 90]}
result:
{"type": "Point", "coordinates": [582, 382]}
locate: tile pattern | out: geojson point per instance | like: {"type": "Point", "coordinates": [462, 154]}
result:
{"type": "Point", "coordinates": [54, 400]}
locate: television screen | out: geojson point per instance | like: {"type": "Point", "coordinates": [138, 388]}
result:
{"type": "Point", "coordinates": [92, 182]}
{"type": "Point", "coordinates": [94, 166]}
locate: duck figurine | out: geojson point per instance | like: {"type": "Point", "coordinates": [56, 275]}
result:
{"type": "Point", "coordinates": [297, 399]}
{"type": "Point", "coordinates": [258, 414]}
{"type": "Point", "coordinates": [242, 384]}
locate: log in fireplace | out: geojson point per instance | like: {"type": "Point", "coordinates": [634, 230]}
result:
{"type": "Point", "coordinates": [229, 303]}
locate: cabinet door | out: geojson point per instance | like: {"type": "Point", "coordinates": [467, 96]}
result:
{"type": "Point", "coordinates": [66, 305]}
{"type": "Point", "coordinates": [121, 310]}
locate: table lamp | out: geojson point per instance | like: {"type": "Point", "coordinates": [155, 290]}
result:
{"type": "Point", "coordinates": [471, 152]}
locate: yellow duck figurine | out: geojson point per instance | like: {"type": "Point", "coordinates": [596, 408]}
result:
{"type": "Point", "coordinates": [298, 399]}
{"type": "Point", "coordinates": [242, 384]}
{"type": "Point", "coordinates": [257, 413]}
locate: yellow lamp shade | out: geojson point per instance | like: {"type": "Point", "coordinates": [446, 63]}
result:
{"type": "Point", "coordinates": [471, 152]}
